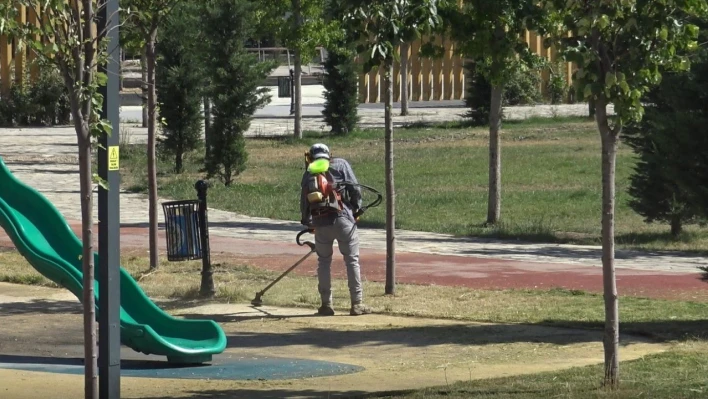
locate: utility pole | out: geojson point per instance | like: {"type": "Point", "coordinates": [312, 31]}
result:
{"type": "Point", "coordinates": [109, 212]}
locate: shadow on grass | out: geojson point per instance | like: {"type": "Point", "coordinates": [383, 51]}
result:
{"type": "Point", "coordinates": [659, 331]}
{"type": "Point", "coordinates": [463, 334]}
{"type": "Point", "coordinates": [273, 394]}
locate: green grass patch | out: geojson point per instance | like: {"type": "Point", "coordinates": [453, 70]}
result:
{"type": "Point", "coordinates": [551, 182]}
{"type": "Point", "coordinates": [679, 373]}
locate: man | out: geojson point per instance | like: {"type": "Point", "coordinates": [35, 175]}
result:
{"type": "Point", "coordinates": [333, 225]}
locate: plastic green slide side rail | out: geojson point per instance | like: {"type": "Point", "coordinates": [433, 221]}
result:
{"type": "Point", "coordinates": [45, 239]}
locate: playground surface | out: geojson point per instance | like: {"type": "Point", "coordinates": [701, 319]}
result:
{"type": "Point", "coordinates": [41, 340]}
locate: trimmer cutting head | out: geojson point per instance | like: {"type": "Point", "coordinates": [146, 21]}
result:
{"type": "Point", "coordinates": [257, 301]}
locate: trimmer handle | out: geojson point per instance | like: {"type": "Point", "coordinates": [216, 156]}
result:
{"type": "Point", "coordinates": [308, 243]}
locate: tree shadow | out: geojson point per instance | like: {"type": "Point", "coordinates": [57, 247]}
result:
{"type": "Point", "coordinates": [239, 317]}
{"type": "Point", "coordinates": [657, 331]}
{"type": "Point", "coordinates": [577, 252]}
{"type": "Point", "coordinates": [423, 336]}
{"type": "Point", "coordinates": [40, 307]}
{"type": "Point", "coordinates": [125, 364]}
{"type": "Point", "coordinates": [276, 394]}
{"type": "Point", "coordinates": [56, 171]}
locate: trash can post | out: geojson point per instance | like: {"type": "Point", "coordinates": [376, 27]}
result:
{"type": "Point", "coordinates": [207, 286]}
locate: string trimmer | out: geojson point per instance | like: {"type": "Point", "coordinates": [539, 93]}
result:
{"type": "Point", "coordinates": [258, 300]}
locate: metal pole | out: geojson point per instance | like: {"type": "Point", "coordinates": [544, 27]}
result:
{"type": "Point", "coordinates": [109, 213]}
{"type": "Point", "coordinates": [207, 287]}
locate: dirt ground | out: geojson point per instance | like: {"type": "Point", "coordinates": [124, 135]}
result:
{"type": "Point", "coordinates": [395, 352]}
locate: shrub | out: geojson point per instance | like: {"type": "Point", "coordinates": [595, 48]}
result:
{"type": "Point", "coordinates": [41, 103]}
{"type": "Point", "coordinates": [557, 85]}
{"type": "Point", "coordinates": [521, 89]}
{"type": "Point", "coordinates": [341, 91]}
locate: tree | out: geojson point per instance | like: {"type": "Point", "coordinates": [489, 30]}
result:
{"type": "Point", "coordinates": [341, 95]}
{"type": "Point", "coordinates": [235, 77]}
{"type": "Point", "coordinates": [179, 83]}
{"type": "Point", "coordinates": [147, 16]}
{"type": "Point", "coordinates": [341, 80]}
{"type": "Point", "coordinates": [669, 140]}
{"type": "Point", "coordinates": [492, 33]}
{"type": "Point", "coordinates": [64, 36]}
{"type": "Point", "coordinates": [405, 50]}
{"type": "Point", "coordinates": [619, 47]}
{"type": "Point", "coordinates": [302, 26]}
{"type": "Point", "coordinates": [382, 25]}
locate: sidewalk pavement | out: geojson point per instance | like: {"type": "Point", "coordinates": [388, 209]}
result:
{"type": "Point", "coordinates": [275, 119]}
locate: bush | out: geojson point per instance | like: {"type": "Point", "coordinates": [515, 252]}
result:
{"type": "Point", "coordinates": [42, 103]}
{"type": "Point", "coordinates": [341, 91]}
{"type": "Point", "coordinates": [557, 85]}
{"type": "Point", "coordinates": [521, 89]}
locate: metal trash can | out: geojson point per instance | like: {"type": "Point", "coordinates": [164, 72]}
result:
{"type": "Point", "coordinates": [284, 87]}
{"type": "Point", "coordinates": [182, 230]}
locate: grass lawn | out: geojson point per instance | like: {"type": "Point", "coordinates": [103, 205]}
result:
{"type": "Point", "coordinates": [551, 182]}
{"type": "Point", "coordinates": [679, 373]}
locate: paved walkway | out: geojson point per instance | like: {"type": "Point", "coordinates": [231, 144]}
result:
{"type": "Point", "coordinates": [275, 120]}
{"type": "Point", "coordinates": [45, 159]}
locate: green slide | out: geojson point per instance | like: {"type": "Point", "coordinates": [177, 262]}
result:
{"type": "Point", "coordinates": [44, 238]}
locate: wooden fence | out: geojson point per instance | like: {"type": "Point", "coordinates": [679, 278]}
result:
{"type": "Point", "coordinates": [443, 78]}
{"type": "Point", "coordinates": [429, 79]}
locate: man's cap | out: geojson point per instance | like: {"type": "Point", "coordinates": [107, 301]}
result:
{"type": "Point", "coordinates": [318, 151]}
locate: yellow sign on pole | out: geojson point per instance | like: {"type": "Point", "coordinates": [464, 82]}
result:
{"type": "Point", "coordinates": [113, 157]}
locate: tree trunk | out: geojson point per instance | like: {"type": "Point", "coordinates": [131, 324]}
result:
{"type": "Point", "coordinates": [152, 167]}
{"type": "Point", "coordinates": [609, 157]}
{"type": "Point", "coordinates": [298, 95]}
{"type": "Point", "coordinates": [120, 69]}
{"type": "Point", "coordinates": [207, 127]}
{"type": "Point", "coordinates": [676, 226]}
{"type": "Point", "coordinates": [297, 14]}
{"type": "Point", "coordinates": [88, 300]}
{"type": "Point", "coordinates": [591, 108]}
{"type": "Point", "coordinates": [390, 187]}
{"type": "Point", "coordinates": [405, 48]}
{"type": "Point", "coordinates": [495, 114]}
{"type": "Point", "coordinates": [144, 85]}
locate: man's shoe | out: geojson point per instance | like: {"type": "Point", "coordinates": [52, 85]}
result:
{"type": "Point", "coordinates": [325, 310]}
{"type": "Point", "coordinates": [359, 309]}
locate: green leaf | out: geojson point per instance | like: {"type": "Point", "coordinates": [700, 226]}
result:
{"type": "Point", "coordinates": [603, 22]}
{"type": "Point", "coordinates": [587, 91]}
{"type": "Point", "coordinates": [610, 80]}
{"type": "Point", "coordinates": [101, 78]}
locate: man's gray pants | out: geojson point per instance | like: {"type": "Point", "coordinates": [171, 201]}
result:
{"type": "Point", "coordinates": [345, 232]}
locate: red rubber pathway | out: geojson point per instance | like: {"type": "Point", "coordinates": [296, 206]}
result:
{"type": "Point", "coordinates": [464, 271]}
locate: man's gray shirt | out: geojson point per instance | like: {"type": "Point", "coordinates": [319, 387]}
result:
{"type": "Point", "coordinates": [341, 172]}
